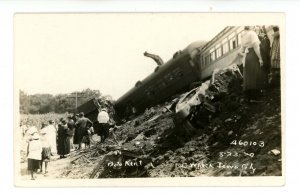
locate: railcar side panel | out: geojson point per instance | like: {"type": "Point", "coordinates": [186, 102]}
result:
{"type": "Point", "coordinates": [175, 75]}
{"type": "Point", "coordinates": [221, 63]}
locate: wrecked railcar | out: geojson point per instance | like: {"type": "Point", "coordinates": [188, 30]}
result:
{"type": "Point", "coordinates": [193, 64]}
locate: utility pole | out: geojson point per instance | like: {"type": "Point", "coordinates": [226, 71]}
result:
{"type": "Point", "coordinates": [77, 95]}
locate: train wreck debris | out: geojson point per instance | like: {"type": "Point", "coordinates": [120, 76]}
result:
{"type": "Point", "coordinates": [158, 143]}
{"type": "Point", "coordinates": [203, 103]}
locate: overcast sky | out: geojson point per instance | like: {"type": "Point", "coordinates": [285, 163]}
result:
{"type": "Point", "coordinates": [62, 53]}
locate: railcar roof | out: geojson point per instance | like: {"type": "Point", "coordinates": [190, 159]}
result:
{"type": "Point", "coordinates": [217, 37]}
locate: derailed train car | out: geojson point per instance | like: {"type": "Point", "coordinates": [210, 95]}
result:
{"type": "Point", "coordinates": [165, 81]}
{"type": "Point", "coordinates": [195, 63]}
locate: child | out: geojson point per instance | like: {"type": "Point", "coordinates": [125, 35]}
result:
{"type": "Point", "coordinates": [46, 150]}
{"type": "Point", "coordinates": [34, 151]}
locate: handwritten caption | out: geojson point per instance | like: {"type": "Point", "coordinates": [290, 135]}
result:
{"type": "Point", "coordinates": [236, 151]}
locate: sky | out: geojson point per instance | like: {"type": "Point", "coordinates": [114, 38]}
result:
{"type": "Point", "coordinates": [62, 53]}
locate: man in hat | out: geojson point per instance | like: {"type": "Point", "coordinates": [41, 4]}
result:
{"type": "Point", "coordinates": [103, 120]}
{"type": "Point", "coordinates": [82, 125]}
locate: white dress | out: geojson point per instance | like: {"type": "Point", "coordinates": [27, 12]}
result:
{"type": "Point", "coordinates": [51, 137]}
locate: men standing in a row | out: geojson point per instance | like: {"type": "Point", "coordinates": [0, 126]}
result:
{"type": "Point", "coordinates": [82, 125]}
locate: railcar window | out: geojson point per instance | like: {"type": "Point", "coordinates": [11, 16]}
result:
{"type": "Point", "coordinates": [233, 43]}
{"type": "Point", "coordinates": [212, 55]}
{"type": "Point", "coordinates": [218, 51]}
{"type": "Point", "coordinates": [169, 77]}
{"type": "Point", "coordinates": [177, 73]}
{"type": "Point", "coordinates": [225, 46]}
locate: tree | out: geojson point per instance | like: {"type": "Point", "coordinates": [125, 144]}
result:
{"type": "Point", "coordinates": [61, 103]}
{"type": "Point", "coordinates": [24, 102]}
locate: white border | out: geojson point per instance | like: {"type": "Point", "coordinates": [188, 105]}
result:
{"type": "Point", "coordinates": [7, 9]}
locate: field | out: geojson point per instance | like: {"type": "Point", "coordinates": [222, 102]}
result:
{"type": "Point", "coordinates": [38, 119]}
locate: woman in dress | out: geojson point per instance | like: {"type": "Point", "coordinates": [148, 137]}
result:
{"type": "Point", "coordinates": [63, 141]}
{"type": "Point", "coordinates": [253, 66]}
{"type": "Point", "coordinates": [34, 154]}
{"type": "Point", "coordinates": [275, 58]}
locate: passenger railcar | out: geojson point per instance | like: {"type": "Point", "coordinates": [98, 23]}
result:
{"type": "Point", "coordinates": [220, 52]}
{"type": "Point", "coordinates": [165, 81]}
{"type": "Point", "coordinates": [194, 63]}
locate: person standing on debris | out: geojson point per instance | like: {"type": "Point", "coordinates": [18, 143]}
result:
{"type": "Point", "coordinates": [265, 48]}
{"type": "Point", "coordinates": [82, 125]}
{"type": "Point", "coordinates": [103, 120]}
{"type": "Point", "coordinates": [253, 72]}
{"type": "Point", "coordinates": [34, 154]}
{"type": "Point", "coordinates": [46, 150]}
{"type": "Point", "coordinates": [275, 58]}
{"type": "Point", "coordinates": [63, 142]}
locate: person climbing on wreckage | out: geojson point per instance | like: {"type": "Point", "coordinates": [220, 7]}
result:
{"type": "Point", "coordinates": [103, 120]}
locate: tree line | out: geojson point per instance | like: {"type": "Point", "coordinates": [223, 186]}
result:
{"type": "Point", "coordinates": [61, 103]}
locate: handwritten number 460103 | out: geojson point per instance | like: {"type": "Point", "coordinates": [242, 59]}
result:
{"type": "Point", "coordinates": [248, 143]}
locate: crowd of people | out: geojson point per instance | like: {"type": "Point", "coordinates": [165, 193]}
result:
{"type": "Point", "coordinates": [72, 133]}
{"type": "Point", "coordinates": [261, 66]}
